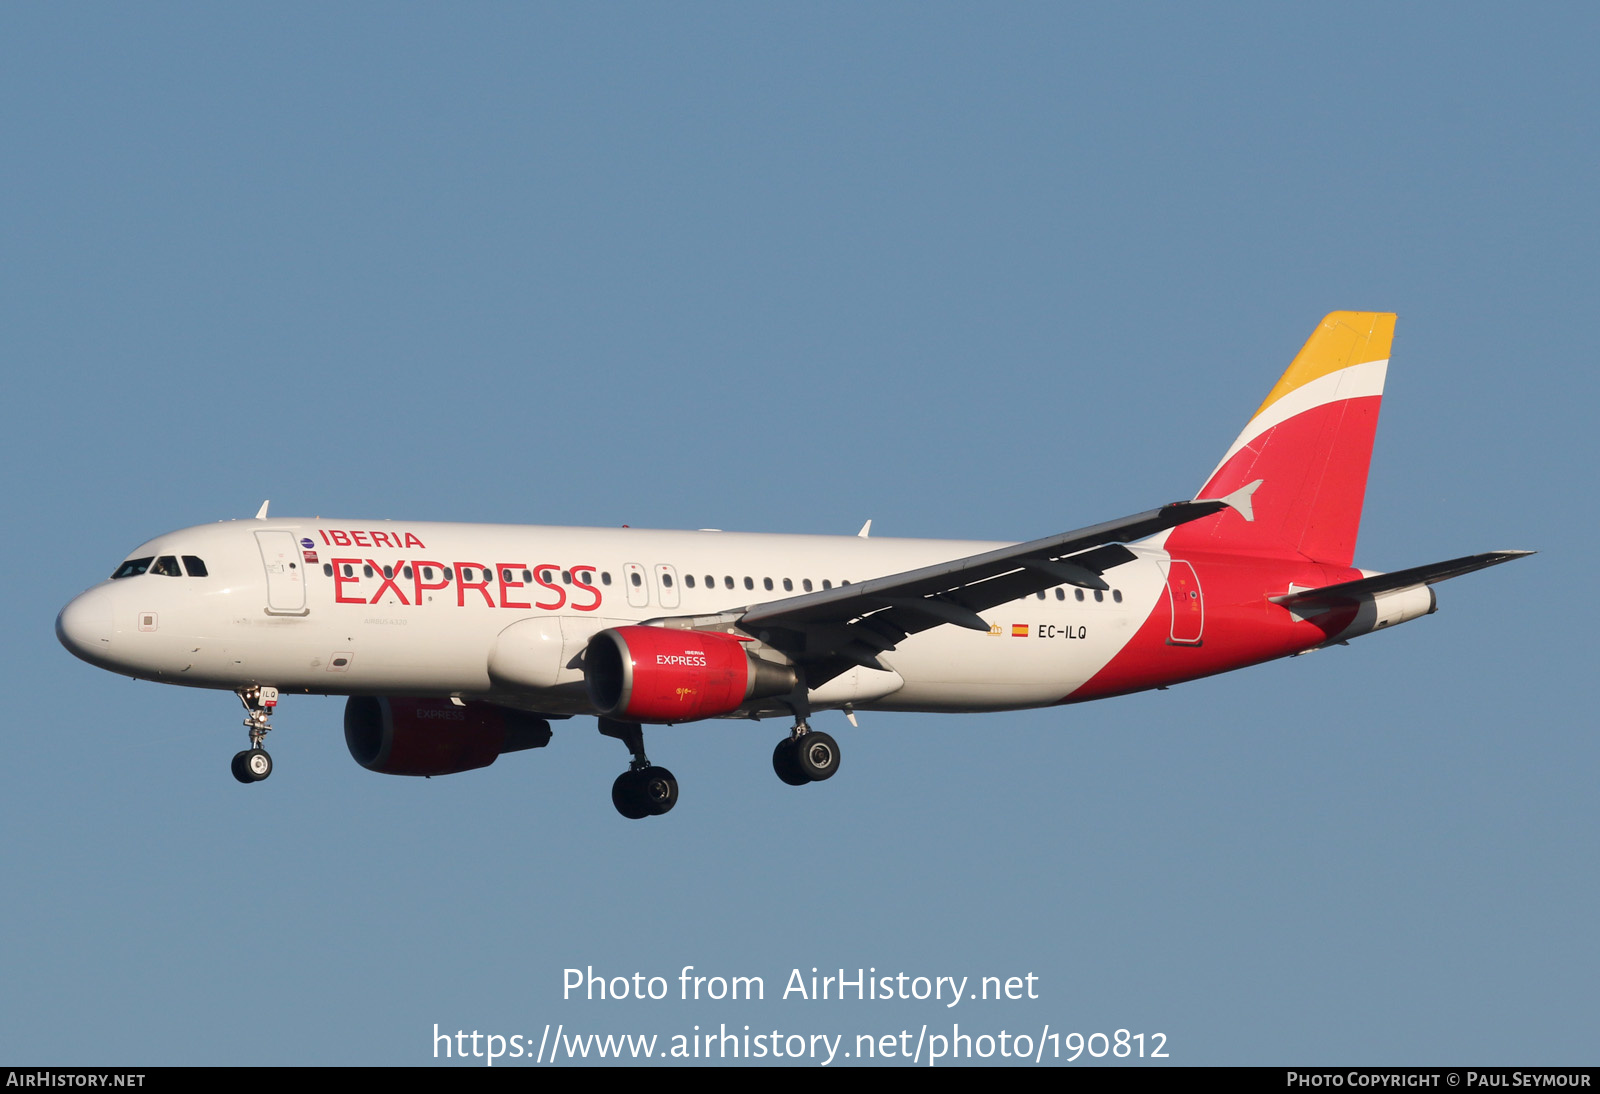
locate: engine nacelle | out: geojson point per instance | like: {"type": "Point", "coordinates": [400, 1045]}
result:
{"type": "Point", "coordinates": [657, 674]}
{"type": "Point", "coordinates": [400, 736]}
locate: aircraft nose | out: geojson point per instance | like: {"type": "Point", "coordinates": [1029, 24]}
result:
{"type": "Point", "coordinates": [84, 626]}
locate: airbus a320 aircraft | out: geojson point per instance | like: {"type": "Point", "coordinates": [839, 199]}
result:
{"type": "Point", "coordinates": [456, 643]}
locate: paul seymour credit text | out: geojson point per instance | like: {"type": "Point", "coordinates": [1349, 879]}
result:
{"type": "Point", "coordinates": [929, 1043]}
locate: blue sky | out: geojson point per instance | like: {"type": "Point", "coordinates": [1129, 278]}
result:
{"type": "Point", "coordinates": [969, 272]}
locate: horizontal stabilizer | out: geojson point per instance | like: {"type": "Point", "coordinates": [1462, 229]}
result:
{"type": "Point", "coordinates": [1430, 574]}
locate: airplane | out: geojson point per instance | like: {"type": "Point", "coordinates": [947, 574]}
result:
{"type": "Point", "coordinates": [457, 643]}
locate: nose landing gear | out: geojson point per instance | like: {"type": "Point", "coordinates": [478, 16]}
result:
{"type": "Point", "coordinates": [254, 764]}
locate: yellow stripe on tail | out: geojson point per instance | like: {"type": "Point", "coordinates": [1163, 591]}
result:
{"type": "Point", "coordinates": [1342, 339]}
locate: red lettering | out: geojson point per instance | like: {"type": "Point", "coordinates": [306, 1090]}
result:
{"type": "Point", "coordinates": [325, 538]}
{"type": "Point", "coordinates": [381, 539]}
{"type": "Point", "coordinates": [360, 541]}
{"type": "Point", "coordinates": [561, 594]}
{"type": "Point", "coordinates": [423, 586]}
{"type": "Point", "coordinates": [505, 573]}
{"type": "Point", "coordinates": [340, 581]}
{"type": "Point", "coordinates": [413, 541]}
{"type": "Point", "coordinates": [577, 579]}
{"type": "Point", "coordinates": [388, 582]}
{"type": "Point", "coordinates": [341, 540]}
{"type": "Point", "coordinates": [462, 584]}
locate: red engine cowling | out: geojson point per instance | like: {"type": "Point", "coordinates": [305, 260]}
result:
{"type": "Point", "coordinates": [657, 674]}
{"type": "Point", "coordinates": [399, 736]}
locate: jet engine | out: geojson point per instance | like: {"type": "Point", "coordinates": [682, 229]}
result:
{"type": "Point", "coordinates": [657, 674]}
{"type": "Point", "coordinates": [400, 736]}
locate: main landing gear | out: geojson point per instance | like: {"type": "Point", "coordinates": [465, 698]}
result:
{"type": "Point", "coordinates": [254, 764]}
{"type": "Point", "coordinates": [643, 790]}
{"type": "Point", "coordinates": [806, 756]}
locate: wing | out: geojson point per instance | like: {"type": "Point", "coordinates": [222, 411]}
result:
{"type": "Point", "coordinates": [830, 631]}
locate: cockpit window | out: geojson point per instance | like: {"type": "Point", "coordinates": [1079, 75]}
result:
{"type": "Point", "coordinates": [133, 567]}
{"type": "Point", "coordinates": [166, 566]}
{"type": "Point", "coordinates": [195, 566]}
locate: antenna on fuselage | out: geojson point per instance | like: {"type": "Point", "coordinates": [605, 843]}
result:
{"type": "Point", "coordinates": [261, 514]}
{"type": "Point", "coordinates": [866, 530]}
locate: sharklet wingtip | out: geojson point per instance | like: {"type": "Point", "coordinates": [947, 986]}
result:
{"type": "Point", "coordinates": [1239, 500]}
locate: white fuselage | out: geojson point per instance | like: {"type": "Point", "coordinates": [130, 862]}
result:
{"type": "Point", "coordinates": [499, 612]}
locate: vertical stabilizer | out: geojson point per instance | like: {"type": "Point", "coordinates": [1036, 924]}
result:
{"type": "Point", "coordinates": [1310, 444]}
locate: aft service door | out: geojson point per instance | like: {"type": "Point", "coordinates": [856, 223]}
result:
{"type": "Point", "coordinates": [1188, 606]}
{"type": "Point", "coordinates": [286, 578]}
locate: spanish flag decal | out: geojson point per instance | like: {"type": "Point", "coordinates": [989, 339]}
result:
{"type": "Point", "coordinates": [1019, 630]}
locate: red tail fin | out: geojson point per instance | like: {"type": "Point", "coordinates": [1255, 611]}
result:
{"type": "Point", "coordinates": [1310, 443]}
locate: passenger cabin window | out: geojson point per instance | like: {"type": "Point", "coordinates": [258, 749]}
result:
{"type": "Point", "coordinates": [133, 567]}
{"type": "Point", "coordinates": [788, 585]}
{"type": "Point", "coordinates": [195, 567]}
{"type": "Point", "coordinates": [688, 579]}
{"type": "Point", "coordinates": [636, 579]}
{"type": "Point", "coordinates": [167, 566]}
{"type": "Point", "coordinates": [749, 584]}
{"type": "Point", "coordinates": [806, 584]}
